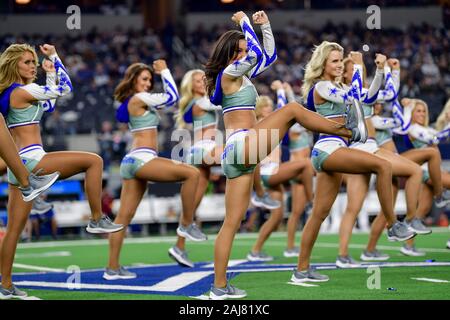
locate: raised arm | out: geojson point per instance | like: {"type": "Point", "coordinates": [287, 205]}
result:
{"type": "Point", "coordinates": [289, 92]}
{"type": "Point", "coordinates": [370, 96]}
{"type": "Point", "coordinates": [254, 60]}
{"type": "Point", "coordinates": [424, 134]}
{"type": "Point", "coordinates": [170, 95]}
{"type": "Point", "coordinates": [50, 70]}
{"type": "Point", "coordinates": [269, 52]}
{"type": "Point", "coordinates": [284, 92]}
{"type": "Point", "coordinates": [277, 86]}
{"type": "Point", "coordinates": [281, 98]}
{"type": "Point", "coordinates": [444, 134]}
{"type": "Point", "coordinates": [57, 86]}
{"type": "Point", "coordinates": [391, 83]}
{"type": "Point", "coordinates": [402, 114]}
{"type": "Point", "coordinates": [383, 123]}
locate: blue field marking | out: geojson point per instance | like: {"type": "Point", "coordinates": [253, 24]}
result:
{"type": "Point", "coordinates": [171, 279]}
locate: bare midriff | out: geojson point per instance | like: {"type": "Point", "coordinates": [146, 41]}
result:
{"type": "Point", "coordinates": [26, 135]}
{"type": "Point", "coordinates": [147, 138]}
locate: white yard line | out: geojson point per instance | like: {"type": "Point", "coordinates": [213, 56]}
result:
{"type": "Point", "coordinates": [302, 284]}
{"type": "Point", "coordinates": [431, 280]}
{"type": "Point", "coordinates": [44, 254]}
{"type": "Point", "coordinates": [37, 268]}
{"type": "Point", "coordinates": [231, 263]}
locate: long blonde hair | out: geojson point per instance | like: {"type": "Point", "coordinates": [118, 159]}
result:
{"type": "Point", "coordinates": [415, 102]}
{"type": "Point", "coordinates": [9, 59]}
{"type": "Point", "coordinates": [316, 65]}
{"type": "Point", "coordinates": [261, 101]}
{"type": "Point", "coordinates": [441, 121]}
{"type": "Point", "coordinates": [186, 94]}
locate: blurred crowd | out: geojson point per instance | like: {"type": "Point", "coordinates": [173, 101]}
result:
{"type": "Point", "coordinates": [120, 7]}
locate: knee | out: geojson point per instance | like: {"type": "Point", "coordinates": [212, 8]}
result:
{"type": "Point", "coordinates": [124, 219]}
{"type": "Point", "coordinates": [15, 229]}
{"type": "Point", "coordinates": [193, 173]}
{"type": "Point", "coordinates": [310, 168]}
{"type": "Point", "coordinates": [294, 107]}
{"type": "Point", "coordinates": [320, 214]}
{"type": "Point", "coordinates": [434, 153]}
{"type": "Point", "coordinates": [302, 164]}
{"type": "Point", "coordinates": [417, 171]}
{"type": "Point", "coordinates": [352, 210]}
{"type": "Point", "coordinates": [277, 218]}
{"type": "Point", "coordinates": [383, 166]}
{"type": "Point", "coordinates": [96, 160]}
{"type": "Point", "coordinates": [232, 224]}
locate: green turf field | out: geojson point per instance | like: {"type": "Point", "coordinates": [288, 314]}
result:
{"type": "Point", "coordinates": [344, 283]}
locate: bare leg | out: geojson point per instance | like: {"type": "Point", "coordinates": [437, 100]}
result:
{"type": "Point", "coordinates": [298, 205]}
{"type": "Point", "coordinates": [130, 197]}
{"type": "Point", "coordinates": [259, 190]}
{"type": "Point", "coordinates": [425, 204]}
{"type": "Point", "coordinates": [357, 188]}
{"type": "Point", "coordinates": [54, 227]}
{"type": "Point", "coordinates": [379, 224]}
{"type": "Point", "coordinates": [272, 223]}
{"type": "Point", "coordinates": [299, 198]}
{"type": "Point", "coordinates": [35, 226]}
{"type": "Point", "coordinates": [282, 119]}
{"type": "Point", "coordinates": [354, 161]}
{"type": "Point", "coordinates": [69, 163]}
{"type": "Point", "coordinates": [344, 160]}
{"type": "Point", "coordinates": [200, 192]}
{"type": "Point", "coordinates": [8, 152]}
{"type": "Point", "coordinates": [292, 169]}
{"type": "Point", "coordinates": [445, 179]}
{"type": "Point", "coordinates": [426, 198]}
{"type": "Point", "coordinates": [402, 167]}
{"type": "Point", "coordinates": [18, 211]}
{"type": "Point", "coordinates": [433, 157]}
{"type": "Point", "coordinates": [306, 177]}
{"type": "Point", "coordinates": [237, 188]}
{"type": "Point", "coordinates": [251, 220]}
{"type": "Point", "coordinates": [327, 189]}
{"type": "Point", "coordinates": [165, 170]}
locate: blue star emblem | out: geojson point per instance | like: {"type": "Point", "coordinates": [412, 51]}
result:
{"type": "Point", "coordinates": [345, 98]}
{"type": "Point", "coordinates": [333, 92]}
{"type": "Point", "coordinates": [46, 88]}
